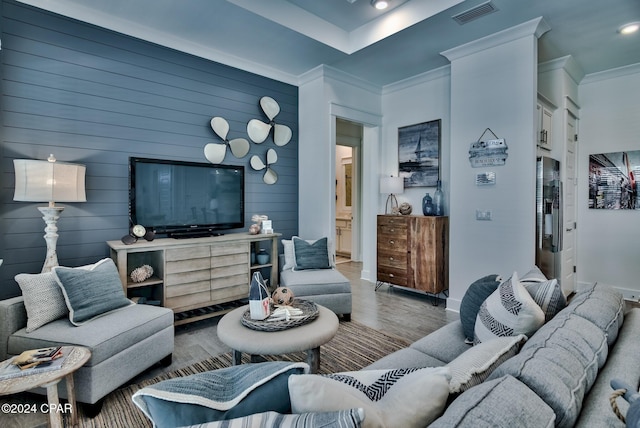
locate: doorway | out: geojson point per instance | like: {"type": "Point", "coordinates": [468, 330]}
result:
{"type": "Point", "coordinates": [347, 180]}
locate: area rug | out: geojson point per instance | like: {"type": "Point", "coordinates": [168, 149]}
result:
{"type": "Point", "coordinates": [355, 346]}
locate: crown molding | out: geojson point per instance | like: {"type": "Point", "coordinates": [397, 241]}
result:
{"type": "Point", "coordinates": [611, 74]}
{"type": "Point", "coordinates": [409, 82]}
{"type": "Point", "coordinates": [535, 27]}
{"type": "Point", "coordinates": [328, 72]}
{"type": "Point", "coordinates": [566, 63]}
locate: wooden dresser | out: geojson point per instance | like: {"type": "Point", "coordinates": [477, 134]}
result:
{"type": "Point", "coordinates": [413, 252]}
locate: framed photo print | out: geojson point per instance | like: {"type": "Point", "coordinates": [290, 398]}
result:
{"type": "Point", "coordinates": [612, 180]}
{"type": "Point", "coordinates": [419, 154]}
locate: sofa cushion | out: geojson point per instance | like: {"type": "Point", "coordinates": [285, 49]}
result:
{"type": "Point", "coordinates": [500, 403]}
{"type": "Point", "coordinates": [402, 397]}
{"type": "Point", "coordinates": [219, 394]}
{"type": "Point", "coordinates": [477, 293]}
{"type": "Point", "coordinates": [508, 311]}
{"type": "Point", "coordinates": [472, 367]}
{"type": "Point", "coordinates": [43, 299]}
{"type": "Point", "coordinates": [405, 358]}
{"type": "Point", "coordinates": [432, 344]}
{"type": "Point", "coordinates": [622, 363]}
{"type": "Point", "coordinates": [559, 363]}
{"type": "Point", "coordinates": [91, 292]}
{"type": "Point", "coordinates": [105, 336]}
{"type": "Point", "coordinates": [351, 418]}
{"type": "Point", "coordinates": [312, 282]}
{"type": "Point", "coordinates": [314, 255]}
{"type": "Point", "coordinates": [603, 306]}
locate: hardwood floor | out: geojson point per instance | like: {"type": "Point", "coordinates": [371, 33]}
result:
{"type": "Point", "coordinates": [395, 311]}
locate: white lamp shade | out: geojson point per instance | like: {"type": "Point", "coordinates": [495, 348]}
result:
{"type": "Point", "coordinates": [44, 181]}
{"type": "Point", "coordinates": [392, 185]}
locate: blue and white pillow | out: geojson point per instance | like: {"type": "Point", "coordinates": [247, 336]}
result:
{"type": "Point", "coordinates": [91, 291]}
{"type": "Point", "coordinates": [232, 392]}
{"type": "Point", "coordinates": [508, 311]}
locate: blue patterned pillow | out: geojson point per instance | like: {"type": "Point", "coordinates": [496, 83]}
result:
{"type": "Point", "coordinates": [228, 393]}
{"type": "Point", "coordinates": [351, 418]}
{"type": "Point", "coordinates": [91, 291]}
{"type": "Point", "coordinates": [314, 255]}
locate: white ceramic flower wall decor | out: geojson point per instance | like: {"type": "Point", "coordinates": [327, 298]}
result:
{"type": "Point", "coordinates": [270, 176]}
{"type": "Point", "coordinates": [259, 131]}
{"type": "Point", "coordinates": [215, 152]}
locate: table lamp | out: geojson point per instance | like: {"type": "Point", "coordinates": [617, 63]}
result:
{"type": "Point", "coordinates": [393, 186]}
{"type": "Point", "coordinates": [49, 181]}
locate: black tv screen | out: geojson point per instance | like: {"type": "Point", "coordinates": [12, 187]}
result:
{"type": "Point", "coordinates": [174, 197]}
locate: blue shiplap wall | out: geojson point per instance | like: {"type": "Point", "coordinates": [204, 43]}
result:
{"type": "Point", "coordinates": [92, 96]}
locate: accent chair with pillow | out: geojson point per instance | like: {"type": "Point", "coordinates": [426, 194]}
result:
{"type": "Point", "coordinates": [308, 269]}
{"type": "Point", "coordinates": [86, 306]}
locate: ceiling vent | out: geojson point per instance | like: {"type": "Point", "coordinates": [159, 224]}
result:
{"type": "Point", "coordinates": [475, 13]}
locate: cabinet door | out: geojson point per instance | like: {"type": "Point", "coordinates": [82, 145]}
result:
{"type": "Point", "coordinates": [429, 248]}
{"type": "Point", "coordinates": [229, 272]}
{"type": "Point", "coordinates": [187, 276]}
{"type": "Point", "coordinates": [545, 116]}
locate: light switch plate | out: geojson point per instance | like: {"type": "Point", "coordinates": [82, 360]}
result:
{"type": "Point", "coordinates": [484, 215]}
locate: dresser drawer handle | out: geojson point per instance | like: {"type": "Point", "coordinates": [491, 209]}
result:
{"type": "Point", "coordinates": [392, 230]}
{"type": "Point", "coordinates": [391, 275]}
{"type": "Point", "coordinates": [391, 258]}
{"type": "Point", "coordinates": [391, 241]}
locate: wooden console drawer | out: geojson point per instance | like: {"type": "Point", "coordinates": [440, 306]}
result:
{"type": "Point", "coordinates": [187, 253]}
{"type": "Point", "coordinates": [393, 276]}
{"type": "Point", "coordinates": [393, 259]}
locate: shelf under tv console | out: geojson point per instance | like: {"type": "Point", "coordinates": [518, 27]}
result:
{"type": "Point", "coordinates": [199, 277]}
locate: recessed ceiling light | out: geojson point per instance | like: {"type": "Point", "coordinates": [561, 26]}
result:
{"type": "Point", "coordinates": [630, 28]}
{"type": "Point", "coordinates": [380, 4]}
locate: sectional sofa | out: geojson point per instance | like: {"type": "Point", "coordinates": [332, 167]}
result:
{"type": "Point", "coordinates": [557, 375]}
{"type": "Point", "coordinates": [560, 377]}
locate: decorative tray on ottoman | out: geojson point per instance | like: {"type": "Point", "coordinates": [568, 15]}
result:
{"type": "Point", "coordinates": [309, 313]}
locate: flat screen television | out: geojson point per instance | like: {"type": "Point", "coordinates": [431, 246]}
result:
{"type": "Point", "coordinates": [184, 199]}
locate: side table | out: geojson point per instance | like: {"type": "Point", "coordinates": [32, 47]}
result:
{"type": "Point", "coordinates": [75, 357]}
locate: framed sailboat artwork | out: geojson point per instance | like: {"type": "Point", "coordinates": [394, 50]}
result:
{"type": "Point", "coordinates": [419, 153]}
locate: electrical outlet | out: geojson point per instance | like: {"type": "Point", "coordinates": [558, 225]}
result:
{"type": "Point", "coordinates": [484, 215]}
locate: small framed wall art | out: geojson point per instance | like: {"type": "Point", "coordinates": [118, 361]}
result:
{"type": "Point", "coordinates": [419, 153]}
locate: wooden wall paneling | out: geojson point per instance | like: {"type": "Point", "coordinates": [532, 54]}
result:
{"type": "Point", "coordinates": [93, 96]}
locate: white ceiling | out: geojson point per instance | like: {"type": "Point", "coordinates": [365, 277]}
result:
{"type": "Point", "coordinates": [283, 39]}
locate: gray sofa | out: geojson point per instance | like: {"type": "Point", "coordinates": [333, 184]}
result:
{"type": "Point", "coordinates": [560, 377]}
{"type": "Point", "coordinates": [123, 343]}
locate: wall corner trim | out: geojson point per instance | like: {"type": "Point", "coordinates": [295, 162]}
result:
{"type": "Point", "coordinates": [535, 27]}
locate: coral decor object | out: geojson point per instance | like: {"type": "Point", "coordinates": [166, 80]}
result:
{"type": "Point", "coordinates": [257, 220]}
{"type": "Point", "coordinates": [141, 273]}
{"type": "Point", "coordinates": [405, 208]}
{"type": "Point", "coordinates": [282, 296]}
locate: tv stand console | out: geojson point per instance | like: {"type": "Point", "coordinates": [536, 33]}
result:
{"type": "Point", "coordinates": [200, 277]}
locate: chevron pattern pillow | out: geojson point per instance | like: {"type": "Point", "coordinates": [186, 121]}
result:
{"type": "Point", "coordinates": [508, 311]}
{"type": "Point", "coordinates": [401, 397]}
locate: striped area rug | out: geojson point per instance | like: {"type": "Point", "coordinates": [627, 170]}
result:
{"type": "Point", "coordinates": [354, 347]}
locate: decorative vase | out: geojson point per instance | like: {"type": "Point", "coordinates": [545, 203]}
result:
{"type": "Point", "coordinates": [438, 200]}
{"type": "Point", "coordinates": [263, 257]}
{"type": "Point", "coordinates": [427, 205]}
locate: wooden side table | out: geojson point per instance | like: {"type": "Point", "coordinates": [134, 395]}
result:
{"type": "Point", "coordinates": [75, 357]}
